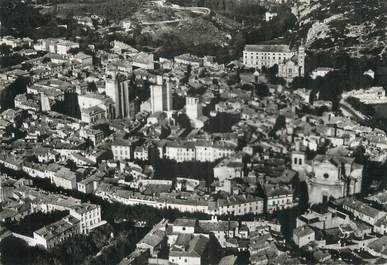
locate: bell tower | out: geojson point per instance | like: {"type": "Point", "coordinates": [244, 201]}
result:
{"type": "Point", "coordinates": [298, 161]}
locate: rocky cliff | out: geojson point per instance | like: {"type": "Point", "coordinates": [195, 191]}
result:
{"type": "Point", "coordinates": [358, 27]}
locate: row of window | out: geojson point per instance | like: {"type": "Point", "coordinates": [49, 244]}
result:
{"type": "Point", "coordinates": [277, 202]}
{"type": "Point", "coordinates": [279, 207]}
{"type": "Point", "coordinates": [90, 215]}
{"type": "Point", "coordinates": [264, 58]}
{"type": "Point", "coordinates": [116, 152]}
{"type": "Point", "coordinates": [185, 260]}
{"type": "Point", "coordinates": [268, 53]}
{"type": "Point", "coordinates": [259, 64]}
{"type": "Point", "coordinates": [121, 148]}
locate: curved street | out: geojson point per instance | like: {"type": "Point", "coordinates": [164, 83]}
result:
{"type": "Point", "coordinates": [203, 11]}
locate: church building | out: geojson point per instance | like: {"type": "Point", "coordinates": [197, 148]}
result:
{"type": "Point", "coordinates": [328, 176]}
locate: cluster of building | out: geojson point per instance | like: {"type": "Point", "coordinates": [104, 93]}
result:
{"type": "Point", "coordinates": [19, 200]}
{"type": "Point", "coordinates": [347, 223]}
{"type": "Point", "coordinates": [290, 63]}
{"type": "Point", "coordinates": [193, 241]}
{"type": "Point", "coordinates": [320, 233]}
{"type": "Point", "coordinates": [101, 122]}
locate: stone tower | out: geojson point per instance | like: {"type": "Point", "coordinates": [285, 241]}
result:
{"type": "Point", "coordinates": [1, 190]}
{"type": "Point", "coordinates": [117, 88]}
{"type": "Point", "coordinates": [193, 107]}
{"type": "Point", "coordinates": [161, 95]}
{"type": "Point", "coordinates": [301, 59]}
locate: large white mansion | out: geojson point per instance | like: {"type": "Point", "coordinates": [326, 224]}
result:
{"type": "Point", "coordinates": [291, 63]}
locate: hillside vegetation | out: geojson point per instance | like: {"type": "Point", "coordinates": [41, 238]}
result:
{"type": "Point", "coordinates": [241, 10]}
{"type": "Point", "coordinates": [354, 26]}
{"type": "Point", "coordinates": [110, 9]}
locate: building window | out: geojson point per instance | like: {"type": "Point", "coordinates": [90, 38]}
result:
{"type": "Point", "coordinates": [326, 175]}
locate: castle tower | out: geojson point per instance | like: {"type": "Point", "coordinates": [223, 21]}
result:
{"type": "Point", "coordinates": [301, 59]}
{"type": "Point", "coordinates": [117, 88]}
{"type": "Point", "coordinates": [193, 108]}
{"type": "Point", "coordinates": [1, 190]}
{"type": "Point", "coordinates": [167, 95]}
{"type": "Point", "coordinates": [161, 95]}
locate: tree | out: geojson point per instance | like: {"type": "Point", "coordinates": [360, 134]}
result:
{"type": "Point", "coordinates": [74, 51]}
{"type": "Point", "coordinates": [46, 60]}
{"type": "Point", "coordinates": [262, 90]}
{"type": "Point", "coordinates": [214, 250]}
{"type": "Point", "coordinates": [153, 154]}
{"type": "Point", "coordinates": [331, 87]}
{"type": "Point", "coordinates": [4, 49]}
{"type": "Point", "coordinates": [360, 154]}
{"type": "Point", "coordinates": [26, 66]}
{"type": "Point", "coordinates": [73, 251]}
{"type": "Point", "coordinates": [10, 249]}
{"type": "Point", "coordinates": [184, 121]}
{"type": "Point", "coordinates": [71, 165]}
{"type": "Point", "coordinates": [35, 221]}
{"type": "Point", "coordinates": [16, 251]}
{"type": "Point", "coordinates": [280, 123]}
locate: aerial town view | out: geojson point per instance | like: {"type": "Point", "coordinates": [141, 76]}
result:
{"type": "Point", "coordinates": [193, 132]}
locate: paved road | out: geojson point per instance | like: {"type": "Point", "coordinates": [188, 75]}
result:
{"type": "Point", "coordinates": [196, 9]}
{"type": "Point", "coordinates": [203, 11]}
{"type": "Point", "coordinates": [162, 22]}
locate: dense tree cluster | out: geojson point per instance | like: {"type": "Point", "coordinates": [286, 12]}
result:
{"type": "Point", "coordinates": [7, 60]}
{"type": "Point", "coordinates": [35, 221]}
{"type": "Point", "coordinates": [271, 30]}
{"type": "Point", "coordinates": [9, 93]}
{"type": "Point", "coordinates": [363, 108]}
{"type": "Point", "coordinates": [222, 122]}
{"type": "Point", "coordinates": [348, 75]}
{"type": "Point", "coordinates": [170, 169]}
{"type": "Point", "coordinates": [15, 251]}
{"type": "Point", "coordinates": [110, 243]}
{"type": "Point", "coordinates": [20, 16]}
